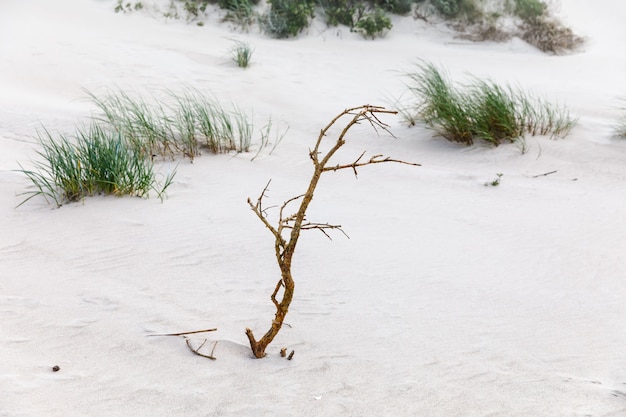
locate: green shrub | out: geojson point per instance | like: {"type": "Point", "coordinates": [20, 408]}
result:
{"type": "Point", "coordinates": [483, 109]}
{"type": "Point", "coordinates": [94, 161]}
{"type": "Point", "coordinates": [121, 7]}
{"type": "Point", "coordinates": [399, 7]}
{"type": "Point", "coordinates": [338, 12]}
{"type": "Point", "coordinates": [235, 4]}
{"type": "Point", "coordinates": [529, 10]}
{"type": "Point", "coordinates": [240, 12]}
{"type": "Point", "coordinates": [467, 10]}
{"type": "Point", "coordinates": [373, 24]}
{"type": "Point", "coordinates": [194, 7]}
{"type": "Point", "coordinates": [448, 8]}
{"type": "Point", "coordinates": [287, 18]}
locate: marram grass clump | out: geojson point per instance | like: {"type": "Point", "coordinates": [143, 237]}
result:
{"type": "Point", "coordinates": [115, 153]}
{"type": "Point", "coordinates": [95, 160]}
{"type": "Point", "coordinates": [481, 109]}
{"type": "Point", "coordinates": [241, 54]}
{"type": "Point", "coordinates": [193, 120]}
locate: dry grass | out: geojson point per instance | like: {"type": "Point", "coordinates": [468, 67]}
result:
{"type": "Point", "coordinates": [549, 35]}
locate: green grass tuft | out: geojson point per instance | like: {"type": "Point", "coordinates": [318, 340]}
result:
{"type": "Point", "coordinates": [482, 109]}
{"type": "Point", "coordinates": [115, 153]}
{"type": "Point", "coordinates": [194, 120]}
{"type": "Point", "coordinates": [93, 161]}
{"type": "Point", "coordinates": [241, 54]}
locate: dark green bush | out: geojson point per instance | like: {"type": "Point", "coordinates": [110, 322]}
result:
{"type": "Point", "coordinates": [459, 9]}
{"type": "Point", "coordinates": [194, 7]}
{"type": "Point", "coordinates": [240, 12]}
{"type": "Point", "coordinates": [373, 24]}
{"type": "Point", "coordinates": [448, 8]}
{"type": "Point", "coordinates": [529, 10]}
{"type": "Point", "coordinates": [338, 12]}
{"type": "Point", "coordinates": [287, 18]}
{"type": "Point", "coordinates": [399, 7]}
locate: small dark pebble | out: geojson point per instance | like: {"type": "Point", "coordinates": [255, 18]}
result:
{"type": "Point", "coordinates": [55, 368]}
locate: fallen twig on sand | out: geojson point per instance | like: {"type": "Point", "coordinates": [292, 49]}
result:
{"type": "Point", "coordinates": [543, 175]}
{"type": "Point", "coordinates": [184, 333]}
{"type": "Point", "coordinates": [197, 351]}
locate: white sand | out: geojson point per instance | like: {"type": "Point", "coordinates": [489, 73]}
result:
{"type": "Point", "coordinates": [450, 298]}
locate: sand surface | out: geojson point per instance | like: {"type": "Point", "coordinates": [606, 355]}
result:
{"type": "Point", "coordinates": [449, 299]}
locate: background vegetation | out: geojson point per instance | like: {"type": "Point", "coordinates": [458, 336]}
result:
{"type": "Point", "coordinates": [474, 19]}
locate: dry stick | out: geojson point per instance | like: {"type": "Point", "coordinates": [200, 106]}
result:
{"type": "Point", "coordinates": [196, 351]}
{"type": "Point", "coordinates": [543, 175]}
{"type": "Point", "coordinates": [184, 333]}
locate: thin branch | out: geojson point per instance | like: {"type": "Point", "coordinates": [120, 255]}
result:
{"type": "Point", "coordinates": [280, 215]}
{"type": "Point", "coordinates": [376, 159]}
{"type": "Point", "coordinates": [359, 112]}
{"type": "Point", "coordinates": [203, 343]}
{"type": "Point", "coordinates": [376, 123]}
{"type": "Point", "coordinates": [213, 350]}
{"type": "Point", "coordinates": [196, 351]}
{"type": "Point", "coordinates": [184, 333]}
{"type": "Point", "coordinates": [260, 213]}
{"type": "Point", "coordinates": [280, 284]}
{"type": "Point", "coordinates": [260, 199]}
{"type": "Point", "coordinates": [321, 227]}
{"type": "Point", "coordinates": [543, 175]}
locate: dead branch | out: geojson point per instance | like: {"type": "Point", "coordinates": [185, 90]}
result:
{"type": "Point", "coordinates": [278, 285]}
{"type": "Point", "coordinates": [281, 218]}
{"type": "Point", "coordinates": [545, 174]}
{"type": "Point", "coordinates": [260, 213]}
{"type": "Point", "coordinates": [184, 333]}
{"type": "Point", "coordinates": [376, 159]}
{"type": "Point", "coordinates": [296, 222]}
{"type": "Point", "coordinates": [197, 351]}
{"type": "Point", "coordinates": [321, 227]}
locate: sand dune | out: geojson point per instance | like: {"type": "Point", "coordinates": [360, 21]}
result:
{"type": "Point", "coordinates": [449, 299]}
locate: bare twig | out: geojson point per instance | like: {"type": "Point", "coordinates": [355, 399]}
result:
{"type": "Point", "coordinates": [184, 333]}
{"type": "Point", "coordinates": [376, 159]}
{"type": "Point", "coordinates": [543, 175]}
{"type": "Point", "coordinates": [213, 350]}
{"type": "Point", "coordinates": [321, 227]}
{"type": "Point", "coordinates": [196, 351]}
{"type": "Point", "coordinates": [276, 303]}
